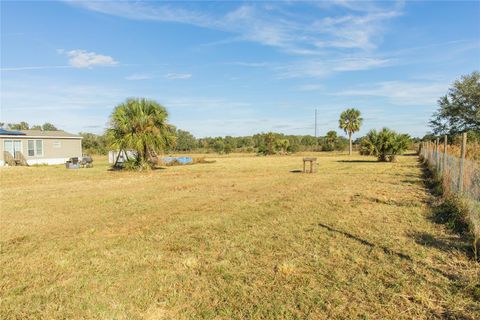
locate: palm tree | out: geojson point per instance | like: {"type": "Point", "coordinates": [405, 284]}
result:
{"type": "Point", "coordinates": [141, 125]}
{"type": "Point", "coordinates": [331, 139]}
{"type": "Point", "coordinates": [350, 121]}
{"type": "Point", "coordinates": [282, 145]}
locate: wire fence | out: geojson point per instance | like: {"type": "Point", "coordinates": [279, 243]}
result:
{"type": "Point", "coordinates": [460, 177]}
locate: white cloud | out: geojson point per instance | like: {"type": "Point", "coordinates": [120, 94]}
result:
{"type": "Point", "coordinates": [323, 68]}
{"type": "Point", "coordinates": [84, 59]}
{"type": "Point", "coordinates": [276, 26]}
{"type": "Point", "coordinates": [354, 64]}
{"type": "Point", "coordinates": [138, 76]}
{"type": "Point", "coordinates": [402, 93]}
{"type": "Point", "coordinates": [174, 76]}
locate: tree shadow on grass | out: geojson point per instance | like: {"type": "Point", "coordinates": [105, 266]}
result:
{"type": "Point", "coordinates": [389, 251]}
{"type": "Point", "coordinates": [458, 282]}
{"type": "Point", "coordinates": [445, 243]}
{"type": "Point", "coordinates": [413, 182]}
{"type": "Point", "coordinates": [366, 242]}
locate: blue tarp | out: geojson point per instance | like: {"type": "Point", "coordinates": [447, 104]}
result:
{"type": "Point", "coordinates": [182, 160]}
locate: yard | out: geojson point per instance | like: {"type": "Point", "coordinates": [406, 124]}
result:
{"type": "Point", "coordinates": [239, 238]}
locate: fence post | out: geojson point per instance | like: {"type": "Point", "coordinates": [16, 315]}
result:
{"type": "Point", "coordinates": [462, 162]}
{"type": "Point", "coordinates": [444, 167]}
{"type": "Point", "coordinates": [437, 154]}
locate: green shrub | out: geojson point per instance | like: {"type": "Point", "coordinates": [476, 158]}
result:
{"type": "Point", "coordinates": [385, 144]}
{"type": "Point", "coordinates": [135, 164]}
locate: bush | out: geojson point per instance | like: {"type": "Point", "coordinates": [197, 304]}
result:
{"type": "Point", "coordinates": [136, 164]}
{"type": "Point", "coordinates": [385, 144]}
{"type": "Point", "coordinates": [292, 148]}
{"type": "Point", "coordinates": [227, 148]}
{"type": "Point", "coordinates": [219, 146]}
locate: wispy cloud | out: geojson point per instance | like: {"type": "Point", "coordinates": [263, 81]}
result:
{"type": "Point", "coordinates": [354, 64]}
{"type": "Point", "coordinates": [322, 68]}
{"type": "Point", "coordinates": [85, 59]}
{"type": "Point", "coordinates": [138, 76]}
{"type": "Point", "coordinates": [271, 25]}
{"type": "Point", "coordinates": [34, 68]}
{"type": "Point", "coordinates": [175, 76]}
{"type": "Point", "coordinates": [401, 93]}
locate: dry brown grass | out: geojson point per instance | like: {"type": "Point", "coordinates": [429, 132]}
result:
{"type": "Point", "coordinates": [239, 238]}
{"type": "Point", "coordinates": [472, 152]}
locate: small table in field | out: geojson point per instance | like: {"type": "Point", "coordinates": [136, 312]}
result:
{"type": "Point", "coordinates": [313, 162]}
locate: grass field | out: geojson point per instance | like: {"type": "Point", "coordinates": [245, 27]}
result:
{"type": "Point", "coordinates": [239, 238]}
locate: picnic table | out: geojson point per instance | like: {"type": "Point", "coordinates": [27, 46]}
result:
{"type": "Point", "coordinates": [313, 162]}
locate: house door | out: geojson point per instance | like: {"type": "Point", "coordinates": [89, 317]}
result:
{"type": "Point", "coordinates": [12, 146]}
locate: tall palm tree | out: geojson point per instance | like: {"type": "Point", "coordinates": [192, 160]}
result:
{"type": "Point", "coordinates": [141, 125]}
{"type": "Point", "coordinates": [350, 121]}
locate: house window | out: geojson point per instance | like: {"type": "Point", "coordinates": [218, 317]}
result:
{"type": "Point", "coordinates": [31, 148]}
{"type": "Point", "coordinates": [8, 146]}
{"type": "Point", "coordinates": [35, 148]}
{"type": "Point", "coordinates": [39, 147]}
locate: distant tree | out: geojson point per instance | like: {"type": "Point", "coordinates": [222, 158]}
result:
{"type": "Point", "coordinates": [245, 142]}
{"type": "Point", "coordinates": [292, 148]}
{"type": "Point", "coordinates": [228, 148]}
{"type": "Point", "coordinates": [219, 146]}
{"type": "Point", "coordinates": [185, 141]}
{"type": "Point", "coordinates": [19, 126]}
{"type": "Point", "coordinates": [281, 145]}
{"type": "Point", "coordinates": [2, 124]}
{"type": "Point", "coordinates": [36, 127]}
{"type": "Point", "coordinates": [231, 141]}
{"type": "Point", "coordinates": [341, 144]}
{"type": "Point", "coordinates": [308, 141]}
{"type": "Point", "coordinates": [350, 121]}
{"type": "Point", "coordinates": [459, 109]}
{"type": "Point", "coordinates": [49, 127]}
{"type": "Point", "coordinates": [330, 141]}
{"type": "Point", "coordinates": [94, 144]}
{"type": "Point", "coordinates": [141, 125]}
{"type": "Point", "coordinates": [269, 142]}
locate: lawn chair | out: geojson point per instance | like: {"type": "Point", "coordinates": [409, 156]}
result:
{"type": "Point", "coordinates": [87, 162]}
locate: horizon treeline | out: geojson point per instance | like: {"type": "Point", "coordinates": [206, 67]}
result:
{"type": "Point", "coordinates": [264, 143]}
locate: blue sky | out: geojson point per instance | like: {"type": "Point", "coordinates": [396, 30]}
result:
{"type": "Point", "coordinates": [235, 68]}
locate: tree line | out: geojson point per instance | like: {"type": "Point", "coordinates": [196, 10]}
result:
{"type": "Point", "coordinates": [263, 143]}
{"type": "Point", "coordinates": [25, 126]}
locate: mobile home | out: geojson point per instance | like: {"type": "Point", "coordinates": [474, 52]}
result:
{"type": "Point", "coordinates": [28, 147]}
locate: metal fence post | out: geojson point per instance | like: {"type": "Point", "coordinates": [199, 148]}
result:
{"type": "Point", "coordinates": [437, 154]}
{"type": "Point", "coordinates": [462, 162]}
